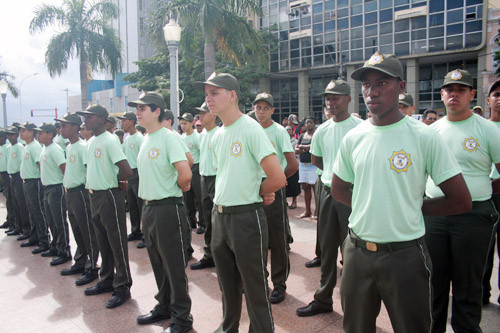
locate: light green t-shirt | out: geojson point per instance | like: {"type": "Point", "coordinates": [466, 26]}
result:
{"type": "Point", "coordinates": [76, 164]}
{"type": "Point", "coordinates": [3, 156]}
{"type": "Point", "coordinates": [21, 141]}
{"type": "Point", "coordinates": [62, 142]}
{"type": "Point", "coordinates": [280, 140]}
{"type": "Point", "coordinates": [238, 150]}
{"type": "Point", "coordinates": [388, 166]}
{"type": "Point", "coordinates": [104, 151]}
{"type": "Point", "coordinates": [131, 147]}
{"type": "Point", "coordinates": [155, 165]}
{"type": "Point", "coordinates": [31, 158]}
{"type": "Point", "coordinates": [475, 144]}
{"type": "Point", "coordinates": [14, 156]}
{"type": "Point", "coordinates": [193, 143]}
{"type": "Point", "coordinates": [51, 157]}
{"type": "Point", "coordinates": [326, 142]}
{"type": "Point", "coordinates": [494, 172]}
{"type": "Point", "coordinates": [207, 167]}
{"type": "Point", "coordinates": [183, 144]}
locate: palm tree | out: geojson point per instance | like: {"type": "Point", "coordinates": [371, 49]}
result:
{"type": "Point", "coordinates": [87, 34]}
{"type": "Point", "coordinates": [10, 84]}
{"type": "Point", "coordinates": [223, 24]}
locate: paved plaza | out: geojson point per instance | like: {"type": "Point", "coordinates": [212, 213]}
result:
{"type": "Point", "coordinates": [34, 297]}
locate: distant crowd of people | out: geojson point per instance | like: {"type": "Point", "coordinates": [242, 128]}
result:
{"type": "Point", "coordinates": [412, 205]}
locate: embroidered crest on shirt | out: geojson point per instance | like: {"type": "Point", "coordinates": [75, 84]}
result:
{"type": "Point", "coordinates": [1, 155]}
{"type": "Point", "coordinates": [236, 149]}
{"type": "Point", "coordinates": [470, 144]}
{"type": "Point", "coordinates": [400, 161]}
{"type": "Point", "coordinates": [26, 156]}
{"type": "Point", "coordinates": [153, 153]}
{"type": "Point", "coordinates": [44, 158]}
{"type": "Point", "coordinates": [98, 153]}
{"type": "Point", "coordinates": [14, 155]}
{"type": "Point", "coordinates": [72, 158]}
{"type": "Point", "coordinates": [132, 145]}
{"type": "Point", "coordinates": [190, 145]}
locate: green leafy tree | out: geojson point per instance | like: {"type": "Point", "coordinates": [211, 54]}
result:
{"type": "Point", "coordinates": [154, 72]}
{"type": "Point", "coordinates": [87, 33]}
{"type": "Point", "coordinates": [9, 78]}
{"type": "Point", "coordinates": [223, 24]}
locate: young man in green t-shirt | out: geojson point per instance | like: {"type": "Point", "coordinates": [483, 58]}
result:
{"type": "Point", "coordinates": [333, 215]}
{"type": "Point", "coordinates": [242, 154]}
{"type": "Point", "coordinates": [164, 173]}
{"type": "Point", "coordinates": [4, 144]}
{"type": "Point", "coordinates": [107, 174]}
{"type": "Point", "coordinates": [52, 167]}
{"type": "Point", "coordinates": [380, 170]}
{"type": "Point", "coordinates": [131, 147]}
{"type": "Point", "coordinates": [78, 203]}
{"type": "Point", "coordinates": [62, 142]}
{"type": "Point", "coordinates": [33, 190]}
{"type": "Point", "coordinates": [207, 175]}
{"type": "Point", "coordinates": [459, 243]}
{"type": "Point", "coordinates": [493, 100]}
{"type": "Point", "coordinates": [277, 212]}
{"type": "Point", "coordinates": [193, 196]}
{"type": "Point", "coordinates": [21, 214]}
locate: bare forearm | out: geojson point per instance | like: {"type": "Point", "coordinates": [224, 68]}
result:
{"type": "Point", "coordinates": [442, 206]}
{"type": "Point", "coordinates": [343, 195]}
{"type": "Point", "coordinates": [495, 184]}
{"type": "Point", "coordinates": [317, 161]}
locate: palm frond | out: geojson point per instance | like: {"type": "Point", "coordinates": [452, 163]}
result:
{"type": "Point", "coordinates": [46, 15]}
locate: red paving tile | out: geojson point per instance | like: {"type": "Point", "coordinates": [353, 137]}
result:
{"type": "Point", "coordinates": [34, 297]}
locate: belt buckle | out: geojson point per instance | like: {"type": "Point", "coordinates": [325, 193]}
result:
{"type": "Point", "coordinates": [371, 246]}
{"type": "Point", "coordinates": [220, 209]}
{"type": "Point", "coordinates": [90, 191]}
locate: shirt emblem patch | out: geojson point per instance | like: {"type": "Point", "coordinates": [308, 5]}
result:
{"type": "Point", "coordinates": [402, 97]}
{"type": "Point", "coordinates": [132, 145]}
{"type": "Point", "coordinates": [190, 145]}
{"type": "Point", "coordinates": [98, 153]}
{"type": "Point", "coordinates": [1, 155]}
{"type": "Point", "coordinates": [376, 59]}
{"type": "Point", "coordinates": [153, 153]}
{"type": "Point", "coordinates": [330, 85]}
{"type": "Point", "coordinates": [236, 149]}
{"type": "Point", "coordinates": [470, 144]}
{"type": "Point", "coordinates": [44, 158]}
{"type": "Point", "coordinates": [26, 156]}
{"type": "Point", "coordinates": [400, 161]}
{"type": "Point", "coordinates": [72, 158]}
{"type": "Point", "coordinates": [14, 155]}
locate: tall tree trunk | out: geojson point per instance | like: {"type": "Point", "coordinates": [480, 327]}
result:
{"type": "Point", "coordinates": [83, 84]}
{"type": "Point", "coordinates": [209, 55]}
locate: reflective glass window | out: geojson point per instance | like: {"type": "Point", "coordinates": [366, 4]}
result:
{"type": "Point", "coordinates": [343, 23]}
{"type": "Point", "coordinates": [401, 25]}
{"type": "Point", "coordinates": [370, 6]}
{"type": "Point", "coordinates": [419, 22]}
{"type": "Point", "coordinates": [455, 42]}
{"type": "Point", "coordinates": [385, 4]}
{"type": "Point", "coordinates": [357, 33]}
{"type": "Point", "coordinates": [356, 21]}
{"type": "Point", "coordinates": [436, 32]}
{"type": "Point", "coordinates": [436, 19]}
{"type": "Point", "coordinates": [455, 16]}
{"type": "Point", "coordinates": [454, 29]}
{"type": "Point", "coordinates": [419, 34]}
{"type": "Point", "coordinates": [473, 26]}
{"type": "Point", "coordinates": [402, 49]}
{"type": "Point", "coordinates": [386, 15]}
{"type": "Point", "coordinates": [370, 30]}
{"type": "Point", "coordinates": [358, 9]}
{"type": "Point", "coordinates": [371, 18]}
{"type": "Point", "coordinates": [356, 44]}
{"type": "Point", "coordinates": [386, 28]}
{"type": "Point", "coordinates": [401, 37]}
{"type": "Point", "coordinates": [452, 4]}
{"type": "Point", "coordinates": [436, 6]}
{"type": "Point", "coordinates": [472, 40]}
{"type": "Point", "coordinates": [386, 39]}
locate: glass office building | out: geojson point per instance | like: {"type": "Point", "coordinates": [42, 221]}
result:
{"type": "Point", "coordinates": [324, 39]}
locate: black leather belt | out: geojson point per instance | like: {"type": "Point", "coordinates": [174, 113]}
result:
{"type": "Point", "coordinates": [30, 180]}
{"type": "Point", "coordinates": [165, 201]}
{"type": "Point", "coordinates": [237, 209]}
{"type": "Point", "coordinates": [381, 247]}
{"type": "Point", "coordinates": [75, 189]}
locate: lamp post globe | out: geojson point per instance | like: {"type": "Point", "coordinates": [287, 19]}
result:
{"type": "Point", "coordinates": [172, 34]}
{"type": "Point", "coordinates": [4, 87]}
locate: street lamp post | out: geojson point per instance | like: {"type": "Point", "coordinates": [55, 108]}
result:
{"type": "Point", "coordinates": [3, 91]}
{"type": "Point", "coordinates": [172, 34]}
{"type": "Point", "coordinates": [20, 96]}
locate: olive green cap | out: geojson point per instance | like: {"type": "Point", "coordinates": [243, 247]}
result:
{"type": "Point", "coordinates": [94, 109]}
{"type": "Point", "coordinates": [493, 87]}
{"type": "Point", "coordinates": [46, 127]}
{"type": "Point", "coordinates": [186, 116]}
{"type": "Point", "coordinates": [264, 97]}
{"type": "Point", "coordinates": [70, 118]}
{"type": "Point", "coordinates": [337, 87]}
{"type": "Point", "coordinates": [128, 115]}
{"type": "Point", "coordinates": [149, 98]}
{"type": "Point", "coordinates": [11, 130]}
{"type": "Point", "coordinates": [202, 108]}
{"type": "Point", "coordinates": [406, 99]}
{"type": "Point", "coordinates": [16, 124]}
{"type": "Point", "coordinates": [219, 80]}
{"type": "Point", "coordinates": [111, 119]}
{"type": "Point", "coordinates": [119, 132]}
{"type": "Point", "coordinates": [140, 128]}
{"type": "Point", "coordinates": [385, 63]}
{"type": "Point", "coordinates": [458, 76]}
{"type": "Point", "coordinates": [28, 126]}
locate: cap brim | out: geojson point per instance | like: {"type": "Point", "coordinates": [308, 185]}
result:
{"type": "Point", "coordinates": [332, 93]}
{"type": "Point", "coordinates": [137, 102]}
{"type": "Point", "coordinates": [200, 86]}
{"type": "Point", "coordinates": [201, 109]}
{"type": "Point", "coordinates": [404, 103]}
{"type": "Point", "coordinates": [358, 73]}
{"type": "Point", "coordinates": [262, 99]}
{"type": "Point", "coordinates": [83, 113]}
{"type": "Point", "coordinates": [462, 83]}
{"type": "Point", "coordinates": [121, 118]}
